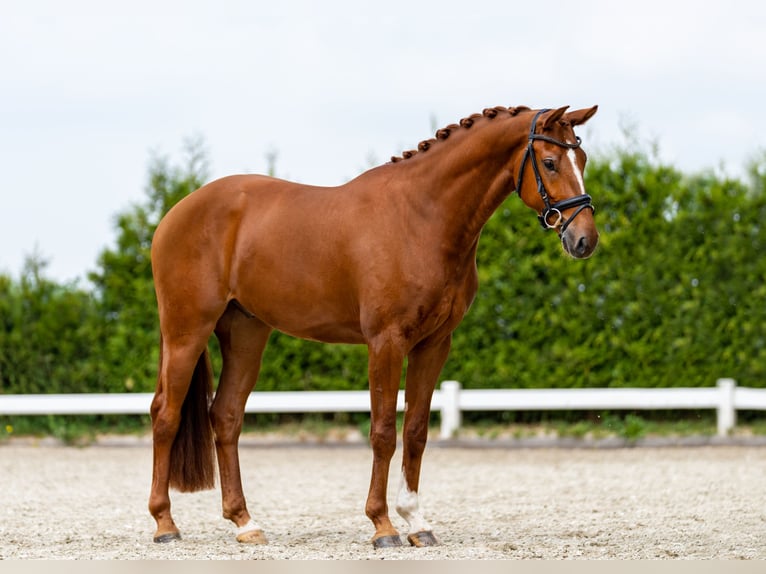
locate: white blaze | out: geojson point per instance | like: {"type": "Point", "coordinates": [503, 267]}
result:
{"type": "Point", "coordinates": [408, 508]}
{"type": "Point", "coordinates": [576, 170]}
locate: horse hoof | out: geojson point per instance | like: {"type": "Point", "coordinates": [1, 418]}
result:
{"type": "Point", "coordinates": [167, 537]}
{"type": "Point", "coordinates": [252, 537]}
{"type": "Point", "coordinates": [423, 538]}
{"type": "Point", "coordinates": [391, 541]}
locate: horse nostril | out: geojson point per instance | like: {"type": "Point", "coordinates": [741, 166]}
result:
{"type": "Point", "coordinates": [582, 246]}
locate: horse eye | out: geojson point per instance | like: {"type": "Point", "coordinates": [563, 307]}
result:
{"type": "Point", "coordinates": [549, 164]}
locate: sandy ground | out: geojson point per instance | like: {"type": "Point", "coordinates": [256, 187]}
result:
{"type": "Point", "coordinates": [704, 502]}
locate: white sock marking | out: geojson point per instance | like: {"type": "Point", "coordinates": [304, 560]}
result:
{"type": "Point", "coordinates": [249, 527]}
{"type": "Point", "coordinates": [408, 507]}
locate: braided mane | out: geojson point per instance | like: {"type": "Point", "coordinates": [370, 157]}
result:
{"type": "Point", "coordinates": [443, 133]}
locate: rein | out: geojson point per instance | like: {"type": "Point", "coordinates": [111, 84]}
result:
{"type": "Point", "coordinates": [552, 209]}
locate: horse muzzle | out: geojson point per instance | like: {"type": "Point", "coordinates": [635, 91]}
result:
{"type": "Point", "coordinates": [580, 244]}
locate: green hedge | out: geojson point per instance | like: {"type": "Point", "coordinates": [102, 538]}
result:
{"type": "Point", "coordinates": [673, 296]}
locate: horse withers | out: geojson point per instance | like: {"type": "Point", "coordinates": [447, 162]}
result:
{"type": "Point", "coordinates": [387, 260]}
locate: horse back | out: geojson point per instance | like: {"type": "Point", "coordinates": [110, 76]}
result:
{"type": "Point", "coordinates": [288, 253]}
{"type": "Point", "coordinates": [315, 262]}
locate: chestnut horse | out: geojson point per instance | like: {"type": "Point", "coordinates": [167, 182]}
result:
{"type": "Point", "coordinates": [387, 260]}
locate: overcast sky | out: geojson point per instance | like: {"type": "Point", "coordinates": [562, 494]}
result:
{"type": "Point", "coordinates": [91, 89]}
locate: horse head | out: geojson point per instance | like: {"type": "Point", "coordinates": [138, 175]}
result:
{"type": "Point", "coordinates": [550, 179]}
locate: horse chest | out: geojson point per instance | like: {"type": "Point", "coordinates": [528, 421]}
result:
{"type": "Point", "coordinates": [441, 312]}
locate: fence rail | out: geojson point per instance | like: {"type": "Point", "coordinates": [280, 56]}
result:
{"type": "Point", "coordinates": [450, 400]}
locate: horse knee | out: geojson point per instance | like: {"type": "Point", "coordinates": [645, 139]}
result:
{"type": "Point", "coordinates": [416, 428]}
{"type": "Point", "coordinates": [415, 440]}
{"type": "Point", "coordinates": [383, 440]}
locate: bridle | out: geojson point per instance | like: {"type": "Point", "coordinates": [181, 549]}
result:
{"type": "Point", "coordinates": [552, 210]}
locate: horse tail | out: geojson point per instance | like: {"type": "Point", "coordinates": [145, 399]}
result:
{"type": "Point", "coordinates": [192, 456]}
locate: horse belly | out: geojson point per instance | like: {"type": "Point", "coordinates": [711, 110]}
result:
{"type": "Point", "coordinates": [302, 294]}
{"type": "Point", "coordinates": [303, 314]}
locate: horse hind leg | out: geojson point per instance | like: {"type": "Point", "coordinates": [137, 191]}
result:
{"type": "Point", "coordinates": [242, 339]}
{"type": "Point", "coordinates": [183, 370]}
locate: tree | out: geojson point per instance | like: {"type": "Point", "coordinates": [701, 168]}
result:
{"type": "Point", "coordinates": [123, 282]}
{"type": "Point", "coordinates": [46, 334]}
{"type": "Point", "coordinates": [673, 295]}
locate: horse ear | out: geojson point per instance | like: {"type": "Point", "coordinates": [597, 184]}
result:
{"type": "Point", "coordinates": [550, 118]}
{"type": "Point", "coordinates": [579, 117]}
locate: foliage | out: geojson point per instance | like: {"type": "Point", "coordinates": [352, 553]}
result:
{"type": "Point", "coordinates": [46, 343]}
{"type": "Point", "coordinates": [673, 296]}
{"type": "Point", "coordinates": [123, 288]}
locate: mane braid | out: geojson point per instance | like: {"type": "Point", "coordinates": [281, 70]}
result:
{"type": "Point", "coordinates": [443, 133]}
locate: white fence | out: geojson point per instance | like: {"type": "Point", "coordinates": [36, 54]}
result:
{"type": "Point", "coordinates": [450, 400]}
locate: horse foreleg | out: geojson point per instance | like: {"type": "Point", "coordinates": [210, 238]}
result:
{"type": "Point", "coordinates": [424, 365]}
{"type": "Point", "coordinates": [385, 367]}
{"type": "Point", "coordinates": [242, 341]}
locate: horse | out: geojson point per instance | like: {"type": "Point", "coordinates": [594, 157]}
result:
{"type": "Point", "coordinates": [386, 260]}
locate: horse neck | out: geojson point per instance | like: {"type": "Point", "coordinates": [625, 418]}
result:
{"type": "Point", "coordinates": [459, 184]}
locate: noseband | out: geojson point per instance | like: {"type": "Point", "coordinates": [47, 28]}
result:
{"type": "Point", "coordinates": [552, 210]}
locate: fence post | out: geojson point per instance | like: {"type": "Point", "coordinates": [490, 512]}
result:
{"type": "Point", "coordinates": [726, 413]}
{"type": "Point", "coordinates": [450, 412]}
